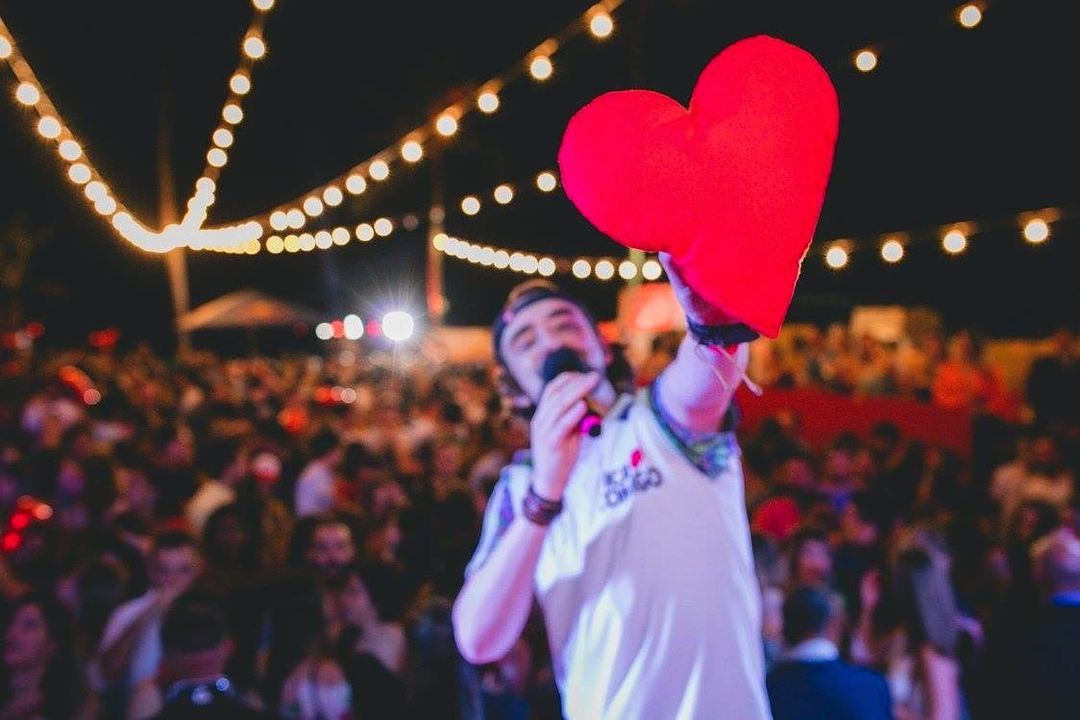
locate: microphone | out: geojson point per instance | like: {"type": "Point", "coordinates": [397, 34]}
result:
{"type": "Point", "coordinates": [566, 360]}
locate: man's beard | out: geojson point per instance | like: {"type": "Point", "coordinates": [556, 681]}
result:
{"type": "Point", "coordinates": [333, 575]}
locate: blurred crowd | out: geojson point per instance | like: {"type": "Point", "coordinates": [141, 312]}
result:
{"type": "Point", "coordinates": [284, 536]}
{"type": "Point", "coordinates": [950, 371]}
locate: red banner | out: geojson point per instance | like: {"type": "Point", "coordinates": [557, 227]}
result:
{"type": "Point", "coordinates": [823, 416]}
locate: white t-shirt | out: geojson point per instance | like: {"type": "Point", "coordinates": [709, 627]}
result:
{"type": "Point", "coordinates": [646, 579]}
{"type": "Point", "coordinates": [314, 490]}
{"type": "Point", "coordinates": [146, 655]}
{"type": "Point", "coordinates": [210, 496]}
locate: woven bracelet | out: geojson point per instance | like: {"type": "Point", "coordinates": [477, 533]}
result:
{"type": "Point", "coordinates": [538, 510]}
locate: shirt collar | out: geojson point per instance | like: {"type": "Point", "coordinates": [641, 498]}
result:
{"type": "Point", "coordinates": [813, 650]}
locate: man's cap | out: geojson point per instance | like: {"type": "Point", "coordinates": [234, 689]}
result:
{"type": "Point", "coordinates": [523, 295]}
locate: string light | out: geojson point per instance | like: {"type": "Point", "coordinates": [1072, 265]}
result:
{"type": "Point", "coordinates": [79, 174]}
{"type": "Point", "coordinates": [379, 170]}
{"type": "Point", "coordinates": [383, 227]}
{"type": "Point", "coordinates": [503, 194]}
{"type": "Point", "coordinates": [240, 84]}
{"type": "Point", "coordinates": [470, 205]}
{"type": "Point", "coordinates": [243, 237]}
{"type": "Point", "coordinates": [487, 101]}
{"type": "Point", "coordinates": [364, 232]}
{"type": "Point", "coordinates": [546, 181]}
{"type": "Point", "coordinates": [581, 269]}
{"type": "Point", "coordinates": [627, 270]}
{"type": "Point", "coordinates": [355, 184]}
{"type": "Point", "coordinates": [254, 47]}
{"type": "Point", "coordinates": [969, 15]}
{"type": "Point", "coordinates": [446, 125]}
{"type": "Point", "coordinates": [892, 251]}
{"type": "Point", "coordinates": [1036, 231]}
{"type": "Point", "coordinates": [538, 63]}
{"type": "Point", "coordinates": [541, 68]}
{"type": "Point", "coordinates": [601, 24]}
{"type": "Point", "coordinates": [198, 206]}
{"type": "Point", "coordinates": [836, 257]}
{"type": "Point", "coordinates": [95, 191]}
{"type": "Point", "coordinates": [866, 60]}
{"type": "Point", "coordinates": [412, 151]}
{"type": "Point", "coordinates": [49, 127]}
{"type": "Point", "coordinates": [604, 270]}
{"type": "Point", "coordinates": [333, 196]}
{"type": "Point", "coordinates": [313, 207]}
{"type": "Point", "coordinates": [27, 93]}
{"type": "Point", "coordinates": [651, 270]}
{"type": "Point", "coordinates": [105, 206]}
{"type": "Point", "coordinates": [954, 242]}
{"type": "Point", "coordinates": [69, 150]}
{"type": "Point", "coordinates": [217, 157]}
{"type": "Point", "coordinates": [223, 138]}
{"type": "Point", "coordinates": [232, 114]}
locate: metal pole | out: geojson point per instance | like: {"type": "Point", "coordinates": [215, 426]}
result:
{"type": "Point", "coordinates": [175, 261]}
{"type": "Point", "coordinates": [436, 300]}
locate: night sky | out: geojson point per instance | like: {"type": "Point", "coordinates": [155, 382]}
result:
{"type": "Point", "coordinates": [953, 125]}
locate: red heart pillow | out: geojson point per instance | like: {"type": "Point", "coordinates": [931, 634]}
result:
{"type": "Point", "coordinates": [731, 188]}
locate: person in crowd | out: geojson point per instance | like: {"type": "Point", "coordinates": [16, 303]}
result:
{"type": "Point", "coordinates": [266, 516]}
{"type": "Point", "coordinates": [316, 486]}
{"type": "Point", "coordinates": [964, 381]}
{"type": "Point", "coordinates": [866, 523]}
{"type": "Point", "coordinates": [40, 675]}
{"type": "Point", "coordinates": [196, 645]}
{"type": "Point", "coordinates": [810, 681]}
{"type": "Point", "coordinates": [810, 559]}
{"type": "Point", "coordinates": [225, 464]}
{"type": "Point", "coordinates": [302, 680]}
{"type": "Point", "coordinates": [768, 566]}
{"type": "Point", "coordinates": [1037, 474]}
{"type": "Point", "coordinates": [130, 649]}
{"type": "Point", "coordinates": [1053, 382]}
{"type": "Point", "coordinates": [915, 641]}
{"type": "Point", "coordinates": [326, 545]}
{"type": "Point", "coordinates": [793, 497]}
{"type": "Point", "coordinates": [1054, 643]}
{"type": "Point", "coordinates": [371, 651]}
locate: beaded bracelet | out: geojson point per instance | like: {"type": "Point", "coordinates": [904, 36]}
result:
{"type": "Point", "coordinates": [539, 510]}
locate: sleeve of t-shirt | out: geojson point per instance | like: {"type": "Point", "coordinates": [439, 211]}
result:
{"type": "Point", "coordinates": [313, 495]}
{"type": "Point", "coordinates": [502, 507]}
{"type": "Point", "coordinates": [147, 654]}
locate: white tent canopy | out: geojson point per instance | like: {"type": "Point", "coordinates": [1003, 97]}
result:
{"type": "Point", "coordinates": [246, 309]}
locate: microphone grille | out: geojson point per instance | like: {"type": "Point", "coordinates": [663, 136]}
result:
{"type": "Point", "coordinates": [559, 361]}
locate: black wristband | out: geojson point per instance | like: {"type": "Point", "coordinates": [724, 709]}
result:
{"type": "Point", "coordinates": [538, 510]}
{"type": "Point", "coordinates": [723, 335]}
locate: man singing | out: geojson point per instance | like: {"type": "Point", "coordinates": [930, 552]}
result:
{"type": "Point", "coordinates": [635, 542]}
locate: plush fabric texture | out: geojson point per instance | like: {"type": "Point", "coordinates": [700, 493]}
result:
{"type": "Point", "coordinates": [732, 187]}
